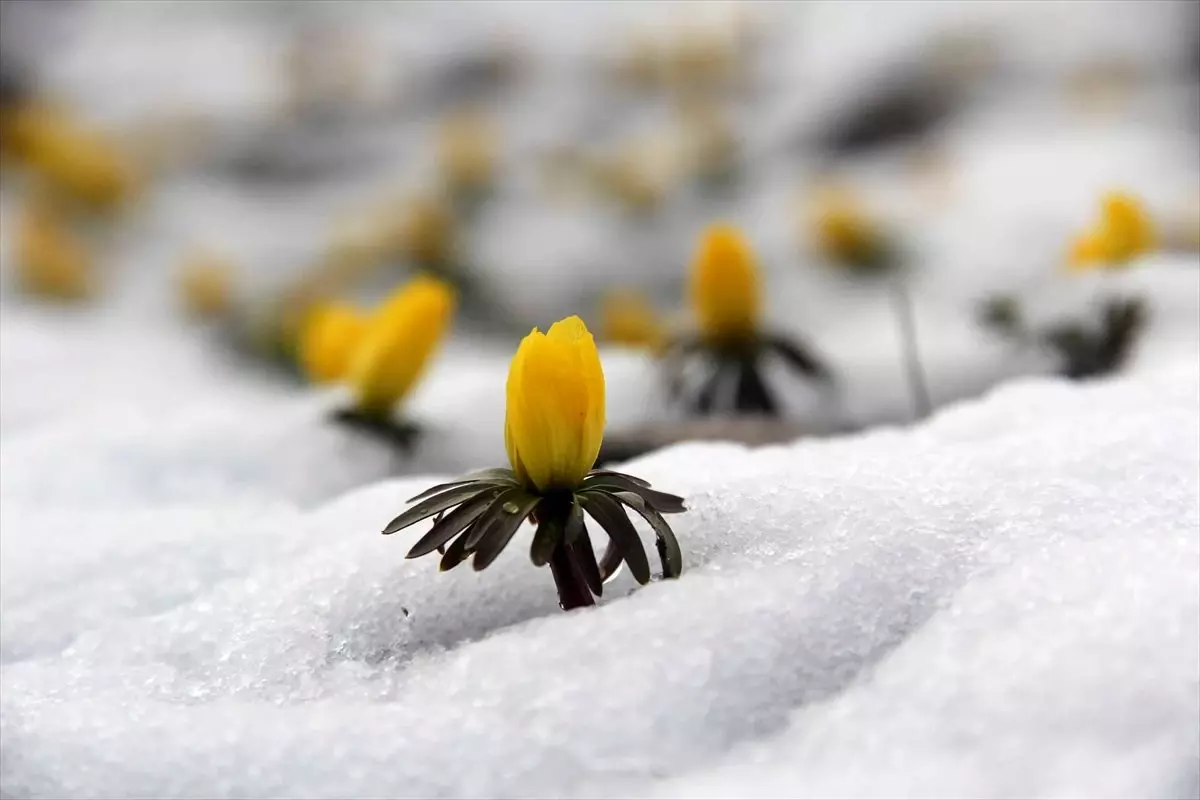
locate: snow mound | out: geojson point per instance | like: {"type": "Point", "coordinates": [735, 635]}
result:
{"type": "Point", "coordinates": [1004, 601]}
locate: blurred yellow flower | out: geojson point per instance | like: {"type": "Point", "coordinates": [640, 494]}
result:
{"type": "Point", "coordinates": [1128, 229]}
{"type": "Point", "coordinates": [725, 287]}
{"type": "Point", "coordinates": [50, 261]}
{"type": "Point", "coordinates": [74, 161]}
{"type": "Point", "coordinates": [628, 319]}
{"type": "Point", "coordinates": [328, 340]}
{"type": "Point", "coordinates": [206, 285]}
{"type": "Point", "coordinates": [554, 421]}
{"type": "Point", "coordinates": [1125, 231]}
{"type": "Point", "coordinates": [467, 152]}
{"type": "Point", "coordinates": [398, 343]}
{"type": "Point", "coordinates": [842, 229]}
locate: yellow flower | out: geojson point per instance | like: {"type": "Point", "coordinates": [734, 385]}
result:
{"type": "Point", "coordinates": [467, 152]}
{"type": "Point", "coordinates": [724, 287]}
{"type": "Point", "coordinates": [1087, 250]}
{"type": "Point", "coordinates": [205, 285]}
{"type": "Point", "coordinates": [1124, 232]}
{"type": "Point", "coordinates": [50, 261]}
{"type": "Point", "coordinates": [555, 415]}
{"type": "Point", "coordinates": [327, 341]}
{"type": "Point", "coordinates": [1128, 231]}
{"type": "Point", "coordinates": [842, 230]}
{"type": "Point", "coordinates": [74, 161]}
{"type": "Point", "coordinates": [398, 343]}
{"type": "Point", "coordinates": [629, 320]}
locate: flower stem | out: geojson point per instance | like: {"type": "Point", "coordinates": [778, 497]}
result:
{"type": "Point", "coordinates": [917, 386]}
{"type": "Point", "coordinates": [572, 588]}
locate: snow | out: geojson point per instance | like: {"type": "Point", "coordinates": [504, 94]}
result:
{"type": "Point", "coordinates": [1002, 600]}
{"type": "Point", "coordinates": [992, 604]}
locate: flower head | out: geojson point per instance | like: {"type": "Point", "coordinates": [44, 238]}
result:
{"type": "Point", "coordinates": [1123, 233]}
{"type": "Point", "coordinates": [467, 151]}
{"type": "Point", "coordinates": [205, 285]}
{"type": "Point", "coordinates": [73, 161]}
{"type": "Point", "coordinates": [725, 287]}
{"type": "Point", "coordinates": [843, 231]}
{"type": "Point", "coordinates": [628, 319]}
{"type": "Point", "coordinates": [50, 260]}
{"type": "Point", "coordinates": [396, 346]}
{"type": "Point", "coordinates": [328, 339]}
{"type": "Point", "coordinates": [555, 415]}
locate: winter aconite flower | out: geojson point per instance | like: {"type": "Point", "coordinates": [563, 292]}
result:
{"type": "Point", "coordinates": [725, 288]}
{"type": "Point", "coordinates": [1124, 232]}
{"type": "Point", "coordinates": [553, 429]}
{"type": "Point", "coordinates": [394, 350]}
{"type": "Point", "coordinates": [629, 320]}
{"type": "Point", "coordinates": [726, 300]}
{"type": "Point", "coordinates": [206, 285]}
{"type": "Point", "coordinates": [50, 261]}
{"type": "Point", "coordinates": [74, 162]}
{"type": "Point", "coordinates": [844, 232]}
{"type": "Point", "coordinates": [327, 341]}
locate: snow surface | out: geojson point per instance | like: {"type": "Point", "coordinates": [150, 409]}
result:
{"type": "Point", "coordinates": [1002, 602]}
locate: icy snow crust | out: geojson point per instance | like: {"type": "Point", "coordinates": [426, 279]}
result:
{"type": "Point", "coordinates": [1002, 602]}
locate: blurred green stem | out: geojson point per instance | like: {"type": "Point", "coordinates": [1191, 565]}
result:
{"type": "Point", "coordinates": [906, 322]}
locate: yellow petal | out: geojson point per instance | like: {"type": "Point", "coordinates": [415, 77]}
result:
{"type": "Point", "coordinates": [841, 228]}
{"type": "Point", "coordinates": [72, 160]}
{"type": "Point", "coordinates": [631, 321]}
{"type": "Point", "coordinates": [724, 286]}
{"type": "Point", "coordinates": [555, 414]}
{"type": "Point", "coordinates": [1088, 251]}
{"type": "Point", "coordinates": [50, 260]}
{"type": "Point", "coordinates": [327, 341]}
{"type": "Point", "coordinates": [1127, 227]}
{"type": "Point", "coordinates": [398, 343]}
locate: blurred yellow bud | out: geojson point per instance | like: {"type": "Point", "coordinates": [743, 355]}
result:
{"type": "Point", "coordinates": [50, 261]}
{"type": "Point", "coordinates": [842, 229]}
{"type": "Point", "coordinates": [725, 287]}
{"type": "Point", "coordinates": [467, 152]}
{"type": "Point", "coordinates": [1128, 230]}
{"type": "Point", "coordinates": [1125, 231]}
{"type": "Point", "coordinates": [628, 319]}
{"type": "Point", "coordinates": [398, 343]}
{"type": "Point", "coordinates": [329, 336]}
{"type": "Point", "coordinates": [427, 231]}
{"type": "Point", "coordinates": [75, 162]}
{"type": "Point", "coordinates": [1087, 251]}
{"type": "Point", "coordinates": [206, 285]}
{"type": "Point", "coordinates": [554, 420]}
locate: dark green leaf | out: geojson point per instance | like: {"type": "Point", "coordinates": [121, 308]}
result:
{"type": "Point", "coordinates": [600, 473]}
{"type": "Point", "coordinates": [441, 487]}
{"type": "Point", "coordinates": [455, 554]}
{"type": "Point", "coordinates": [668, 546]}
{"type": "Point", "coordinates": [505, 503]}
{"type": "Point", "coordinates": [799, 358]}
{"type": "Point", "coordinates": [433, 505]}
{"type": "Point", "coordinates": [610, 562]}
{"type": "Point", "coordinates": [545, 539]}
{"type": "Point", "coordinates": [612, 519]}
{"type": "Point", "coordinates": [751, 395]}
{"type": "Point", "coordinates": [500, 532]}
{"type": "Point", "coordinates": [449, 526]}
{"type": "Point", "coordinates": [495, 475]}
{"type": "Point", "coordinates": [574, 523]}
{"type": "Point", "coordinates": [585, 557]}
{"type": "Point", "coordinates": [661, 502]}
